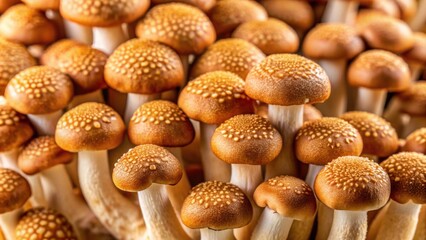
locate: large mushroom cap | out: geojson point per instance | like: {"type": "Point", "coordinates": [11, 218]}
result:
{"type": "Point", "coordinates": [204, 5]}
{"type": "Point", "coordinates": [14, 190]}
{"type": "Point", "coordinates": [413, 100]}
{"type": "Point", "coordinates": [15, 129]}
{"type": "Point", "coordinates": [53, 52]}
{"type": "Point", "coordinates": [416, 141]}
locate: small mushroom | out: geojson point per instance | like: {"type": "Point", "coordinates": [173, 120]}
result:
{"type": "Point", "coordinates": [416, 141]}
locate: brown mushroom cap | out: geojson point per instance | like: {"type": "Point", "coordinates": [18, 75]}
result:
{"type": "Point", "coordinates": [288, 79]}
{"type": "Point", "coordinates": [407, 172]}
{"type": "Point", "coordinates": [184, 28]}
{"type": "Point", "coordinates": [320, 141]}
{"type": "Point", "coordinates": [43, 223]}
{"type": "Point", "coordinates": [417, 54]}
{"type": "Point", "coordinates": [216, 205]}
{"type": "Point", "coordinates": [354, 184]}
{"type": "Point", "coordinates": [413, 100]}
{"type": "Point", "coordinates": [416, 141]}
{"type": "Point", "coordinates": [15, 129]}
{"type": "Point", "coordinates": [215, 97]}
{"type": "Point", "coordinates": [53, 52]}
{"type": "Point", "coordinates": [43, 4]}
{"type": "Point", "coordinates": [246, 139]}
{"type": "Point", "coordinates": [287, 195]}
{"type": "Point", "coordinates": [39, 90]}
{"type": "Point", "coordinates": [161, 123]}
{"type": "Point", "coordinates": [204, 5]}
{"type": "Point", "coordinates": [89, 127]}
{"type": "Point", "coordinates": [144, 165]}
{"type": "Point", "coordinates": [144, 67]}
{"type": "Point", "coordinates": [311, 113]}
{"type": "Point", "coordinates": [379, 69]}
{"type": "Point", "coordinates": [14, 190]}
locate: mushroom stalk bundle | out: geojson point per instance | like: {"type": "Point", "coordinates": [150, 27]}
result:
{"type": "Point", "coordinates": [78, 32]}
{"type": "Point", "coordinates": [349, 225]}
{"type": "Point", "coordinates": [45, 124]}
{"type": "Point", "coordinates": [272, 226]}
{"type": "Point", "coordinates": [210, 234]}
{"type": "Point", "coordinates": [134, 100]}
{"type": "Point", "coordinates": [8, 222]}
{"type": "Point", "coordinates": [371, 100]}
{"type": "Point", "coordinates": [108, 39]}
{"type": "Point", "coordinates": [340, 11]}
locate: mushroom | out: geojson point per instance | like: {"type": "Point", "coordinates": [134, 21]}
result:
{"type": "Point", "coordinates": [413, 103]}
{"type": "Point", "coordinates": [311, 113]}
{"type": "Point", "coordinates": [216, 208]}
{"type": "Point", "coordinates": [204, 5]}
{"type": "Point", "coordinates": [53, 52]}
{"type": "Point", "coordinates": [416, 142]}
{"type": "Point", "coordinates": [144, 169]}
{"type": "Point", "coordinates": [416, 56]}
{"type": "Point", "coordinates": [342, 11]}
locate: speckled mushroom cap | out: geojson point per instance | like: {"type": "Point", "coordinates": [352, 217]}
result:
{"type": "Point", "coordinates": [89, 127]}
{"type": "Point", "coordinates": [413, 100]}
{"type": "Point", "coordinates": [53, 52]}
{"type": "Point", "coordinates": [233, 55]}
{"type": "Point", "coordinates": [144, 165]}
{"type": "Point", "coordinates": [14, 190]}
{"type": "Point", "coordinates": [215, 97]}
{"type": "Point", "coordinates": [46, 224]}
{"type": "Point", "coordinates": [22, 24]}
{"type": "Point", "coordinates": [320, 141]}
{"type": "Point", "coordinates": [5, 4]}
{"type": "Point", "coordinates": [103, 13]}
{"type": "Point", "coordinates": [42, 153]}
{"type": "Point", "coordinates": [416, 141]}
{"type": "Point", "coordinates": [378, 136]}
{"type": "Point", "coordinates": [204, 5]}
{"type": "Point", "coordinates": [184, 28]}
{"type": "Point", "coordinates": [161, 123]}
{"type": "Point", "coordinates": [144, 67]}
{"type": "Point", "coordinates": [13, 59]}
{"type": "Point", "coordinates": [407, 172]}
{"type": "Point", "coordinates": [288, 79]}
{"type": "Point", "coordinates": [379, 69]}
{"type": "Point", "coordinates": [353, 183]}
{"type": "Point", "coordinates": [39, 90]}
{"type": "Point", "coordinates": [15, 129]}
{"type": "Point", "coordinates": [216, 205]}
{"type": "Point", "coordinates": [332, 41]}
{"type": "Point", "coordinates": [246, 139]}
{"type": "Point", "coordinates": [43, 4]}
{"type": "Point", "coordinates": [417, 54]}
{"type": "Point", "coordinates": [311, 113]}
{"type": "Point", "coordinates": [271, 35]}
{"type": "Point", "coordinates": [288, 196]}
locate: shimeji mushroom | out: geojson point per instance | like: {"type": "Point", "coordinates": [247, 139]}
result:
{"type": "Point", "coordinates": [416, 141]}
{"type": "Point", "coordinates": [416, 56]}
{"type": "Point", "coordinates": [51, 54]}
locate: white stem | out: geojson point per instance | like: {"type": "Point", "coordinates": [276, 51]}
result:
{"type": "Point", "coordinates": [210, 234]}
{"type": "Point", "coordinates": [214, 168]}
{"type": "Point", "coordinates": [120, 216]}
{"type": "Point", "coordinates": [160, 218]}
{"type": "Point", "coordinates": [340, 11]}
{"type": "Point", "coordinates": [107, 39]}
{"type": "Point", "coordinates": [416, 70]}
{"type": "Point", "coordinates": [72, 171]}
{"type": "Point", "coordinates": [419, 20]}
{"type": "Point", "coordinates": [421, 225]}
{"type": "Point", "coordinates": [371, 100]}
{"type": "Point", "coordinates": [312, 174]}
{"type": "Point", "coordinates": [272, 226]}
{"type": "Point", "coordinates": [95, 96]}
{"type": "Point", "coordinates": [45, 124]}
{"type": "Point", "coordinates": [349, 225]}
{"type": "Point", "coordinates": [78, 32]}
{"type": "Point", "coordinates": [325, 221]}
{"type": "Point", "coordinates": [134, 101]}
{"type": "Point", "coordinates": [393, 114]}
{"type": "Point", "coordinates": [415, 123]}
{"type": "Point", "coordinates": [287, 120]}
{"type": "Point", "coordinates": [8, 222]}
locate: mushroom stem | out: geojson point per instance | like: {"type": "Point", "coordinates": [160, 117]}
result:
{"type": "Point", "coordinates": [120, 216]}
{"type": "Point", "coordinates": [371, 100]}
{"type": "Point", "coordinates": [45, 124]}
{"type": "Point", "coordinates": [287, 120]}
{"type": "Point", "coordinates": [415, 72]}
{"type": "Point", "coordinates": [325, 217]}
{"type": "Point", "coordinates": [272, 226]}
{"type": "Point", "coordinates": [349, 225]}
{"type": "Point", "coordinates": [8, 222]}
{"type": "Point", "coordinates": [419, 20]}
{"type": "Point", "coordinates": [340, 11]}
{"type": "Point", "coordinates": [375, 224]}
{"type": "Point", "coordinates": [393, 114]}
{"type": "Point", "coordinates": [107, 39]}
{"type": "Point", "coordinates": [421, 225]}
{"type": "Point", "coordinates": [95, 96]}
{"type": "Point", "coordinates": [415, 123]}
{"type": "Point", "coordinates": [78, 32]}
{"type": "Point", "coordinates": [210, 234]}
{"type": "Point", "coordinates": [301, 230]}
{"type": "Point", "coordinates": [134, 100]}
{"type": "Point", "coordinates": [214, 168]}
{"type": "Point", "coordinates": [160, 218]}
{"type": "Point", "coordinates": [313, 171]}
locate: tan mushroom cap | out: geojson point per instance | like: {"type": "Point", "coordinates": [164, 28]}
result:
{"type": "Point", "coordinates": [416, 141]}
{"type": "Point", "coordinates": [320, 141]}
{"type": "Point", "coordinates": [14, 190]}
{"type": "Point", "coordinates": [216, 205]}
{"type": "Point", "coordinates": [144, 67]}
{"type": "Point", "coordinates": [161, 123]}
{"type": "Point", "coordinates": [407, 172]}
{"type": "Point", "coordinates": [27, 26]}
{"type": "Point", "coordinates": [378, 136]}
{"type": "Point", "coordinates": [289, 196]}
{"type": "Point", "coordinates": [215, 97]}
{"type": "Point", "coordinates": [271, 35]}
{"type": "Point", "coordinates": [53, 52]}
{"type": "Point", "coordinates": [332, 41]}
{"type": "Point", "coordinates": [15, 129]}
{"type": "Point", "coordinates": [417, 54]}
{"type": "Point", "coordinates": [42, 153]}
{"type": "Point", "coordinates": [288, 79]}
{"type": "Point", "coordinates": [90, 127]}
{"type": "Point", "coordinates": [311, 113]}
{"type": "Point", "coordinates": [379, 69]}
{"type": "Point", "coordinates": [204, 5]}
{"type": "Point", "coordinates": [246, 139]}
{"type": "Point", "coordinates": [46, 224]}
{"type": "Point", "coordinates": [184, 28]}
{"type": "Point", "coordinates": [103, 13]}
{"type": "Point", "coordinates": [413, 100]}
{"type": "Point", "coordinates": [144, 165]}
{"type": "Point", "coordinates": [354, 184]}
{"type": "Point", "coordinates": [5, 4]}
{"type": "Point", "coordinates": [233, 55]}
{"type": "Point", "coordinates": [39, 90]}
{"type": "Point", "coordinates": [43, 4]}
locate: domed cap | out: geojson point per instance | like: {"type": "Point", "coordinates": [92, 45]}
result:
{"type": "Point", "coordinates": [43, 4]}
{"type": "Point", "coordinates": [320, 141]}
{"type": "Point", "coordinates": [39, 90]}
{"type": "Point", "coordinates": [15, 129]}
{"type": "Point", "coordinates": [407, 172]}
{"type": "Point", "coordinates": [5, 4]}
{"type": "Point", "coordinates": [103, 13]}
{"type": "Point", "coordinates": [144, 165]}
{"type": "Point", "coordinates": [353, 184]}
{"type": "Point", "coordinates": [43, 223]}
{"type": "Point", "coordinates": [311, 113]}
{"type": "Point", "coordinates": [42, 153]}
{"type": "Point", "coordinates": [288, 79]}
{"type": "Point", "coordinates": [216, 205]}
{"type": "Point", "coordinates": [332, 41]}
{"type": "Point", "coordinates": [246, 139]}
{"type": "Point", "coordinates": [53, 52]}
{"type": "Point", "coordinates": [287, 195]}
{"type": "Point", "coordinates": [233, 55]}
{"type": "Point", "coordinates": [417, 54]}
{"type": "Point", "coordinates": [378, 69]}
{"type": "Point", "coordinates": [14, 190]}
{"type": "Point", "coordinates": [204, 5]}
{"type": "Point", "coordinates": [161, 123]}
{"type": "Point", "coordinates": [184, 28]}
{"type": "Point", "coordinates": [416, 141]}
{"type": "Point", "coordinates": [89, 127]}
{"type": "Point", "coordinates": [144, 67]}
{"type": "Point", "coordinates": [378, 136]}
{"type": "Point", "coordinates": [215, 97]}
{"type": "Point", "coordinates": [413, 100]}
